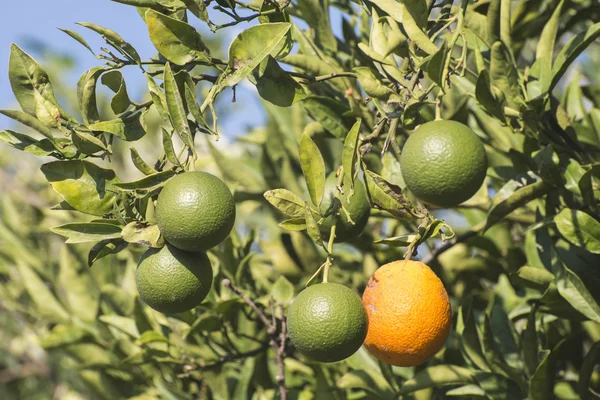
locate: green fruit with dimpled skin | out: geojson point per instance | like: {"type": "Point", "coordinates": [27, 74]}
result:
{"type": "Point", "coordinates": [443, 163]}
{"type": "Point", "coordinates": [171, 280]}
{"type": "Point", "coordinates": [327, 322]}
{"type": "Point", "coordinates": [195, 211]}
{"type": "Point", "coordinates": [359, 209]}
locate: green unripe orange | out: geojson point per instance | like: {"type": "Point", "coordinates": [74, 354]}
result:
{"type": "Point", "coordinates": [443, 163]}
{"type": "Point", "coordinates": [327, 322]}
{"type": "Point", "coordinates": [195, 211]}
{"type": "Point", "coordinates": [359, 209]}
{"type": "Point", "coordinates": [171, 280]}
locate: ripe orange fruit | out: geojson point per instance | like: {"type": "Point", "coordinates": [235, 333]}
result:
{"type": "Point", "coordinates": [327, 322]}
{"type": "Point", "coordinates": [443, 163]}
{"type": "Point", "coordinates": [409, 313]}
{"type": "Point", "coordinates": [195, 211]}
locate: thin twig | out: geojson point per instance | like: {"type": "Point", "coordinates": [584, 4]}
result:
{"type": "Point", "coordinates": [459, 239]}
{"type": "Point", "coordinates": [314, 79]}
{"type": "Point", "coordinates": [277, 339]}
{"type": "Point", "coordinates": [224, 359]}
{"type": "Point", "coordinates": [228, 284]}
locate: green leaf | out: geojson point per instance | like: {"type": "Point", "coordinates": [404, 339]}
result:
{"type": "Point", "coordinates": [251, 47]}
{"type": "Point", "coordinates": [245, 379]}
{"type": "Point", "coordinates": [45, 301]}
{"type": "Point", "coordinates": [512, 196]}
{"type": "Point", "coordinates": [74, 284]}
{"type": "Point", "coordinates": [86, 94]}
{"type": "Point", "coordinates": [579, 228]}
{"type": "Point", "coordinates": [542, 381]}
{"type": "Point", "coordinates": [533, 277]}
{"type": "Point", "coordinates": [389, 197]}
{"type": "Point", "coordinates": [177, 109]}
{"type": "Point", "coordinates": [313, 168]}
{"type": "Point", "coordinates": [124, 324]}
{"type": "Point", "coordinates": [287, 202]}
{"type": "Point", "coordinates": [139, 163]}
{"type": "Point", "coordinates": [414, 31]}
{"type": "Point", "coordinates": [46, 110]}
{"type": "Point", "coordinates": [350, 154]}
{"type": "Point", "coordinates": [275, 85]}
{"type": "Point", "coordinates": [28, 79]}
{"type": "Point", "coordinates": [142, 233]}
{"type": "Point", "coordinates": [467, 391]}
{"type": "Point", "coordinates": [437, 376]}
{"type": "Point", "coordinates": [372, 85]}
{"type": "Point", "coordinates": [158, 97]}
{"type": "Point", "coordinates": [63, 335]}
{"type": "Point", "coordinates": [128, 128]}
{"type": "Point", "coordinates": [244, 177]}
{"type": "Point", "coordinates": [470, 342]}
{"type": "Point", "coordinates": [282, 291]}
{"type": "Point", "coordinates": [571, 288]}
{"type": "Point", "coordinates": [87, 143]}
{"type": "Point", "coordinates": [587, 369]}
{"type": "Point", "coordinates": [205, 323]}
{"type": "Point", "coordinates": [151, 337]}
{"type": "Point", "coordinates": [435, 66]}
{"type": "Point", "coordinates": [530, 344]}
{"type": "Point", "coordinates": [114, 80]}
{"type": "Point", "coordinates": [329, 113]}
{"type": "Point", "coordinates": [311, 225]}
{"type": "Point", "coordinates": [485, 96]}
{"type": "Point", "coordinates": [167, 141]}
{"type": "Point", "coordinates": [28, 120]}
{"type": "Point", "coordinates": [397, 241]}
{"type": "Point", "coordinates": [85, 186]}
{"type": "Point", "coordinates": [316, 15]}
{"type": "Point", "coordinates": [105, 248]}
{"type": "Point", "coordinates": [571, 51]}
{"type": "Point", "coordinates": [178, 41]}
{"type": "Point", "coordinates": [39, 148]}
{"type": "Point", "coordinates": [113, 37]}
{"type": "Point", "coordinates": [545, 48]}
{"type": "Point", "coordinates": [84, 232]}
{"type": "Point", "coordinates": [79, 38]}
{"type": "Point", "coordinates": [198, 8]}
{"type": "Point", "coordinates": [505, 75]}
{"type": "Point", "coordinates": [362, 380]}
{"type": "Point", "coordinates": [392, 8]}
{"type": "Point", "coordinates": [194, 108]}
{"type": "Point", "coordinates": [148, 182]}
{"type": "Point", "coordinates": [293, 224]}
{"type": "Point", "coordinates": [493, 20]}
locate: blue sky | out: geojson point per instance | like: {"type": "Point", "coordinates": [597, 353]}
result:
{"type": "Point", "coordinates": [22, 21]}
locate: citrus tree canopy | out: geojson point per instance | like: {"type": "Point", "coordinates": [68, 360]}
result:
{"type": "Point", "coordinates": [414, 215]}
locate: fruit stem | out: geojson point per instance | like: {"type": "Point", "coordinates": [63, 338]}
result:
{"type": "Point", "coordinates": [334, 217]}
{"type": "Point", "coordinates": [191, 162]}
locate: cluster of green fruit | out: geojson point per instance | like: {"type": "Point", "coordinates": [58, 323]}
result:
{"type": "Point", "coordinates": [195, 211]}
{"type": "Point", "coordinates": [404, 317]}
{"type": "Point", "coordinates": [443, 163]}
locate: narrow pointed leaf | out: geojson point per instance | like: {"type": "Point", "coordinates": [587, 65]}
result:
{"type": "Point", "coordinates": [178, 41]}
{"type": "Point", "coordinates": [251, 47]}
{"type": "Point", "coordinates": [313, 168]}
{"type": "Point", "coordinates": [176, 109]}
{"type": "Point", "coordinates": [285, 201]}
{"type": "Point", "coordinates": [83, 232]}
{"type": "Point", "coordinates": [350, 154]}
{"type": "Point", "coordinates": [79, 38]}
{"type": "Point", "coordinates": [139, 163]}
